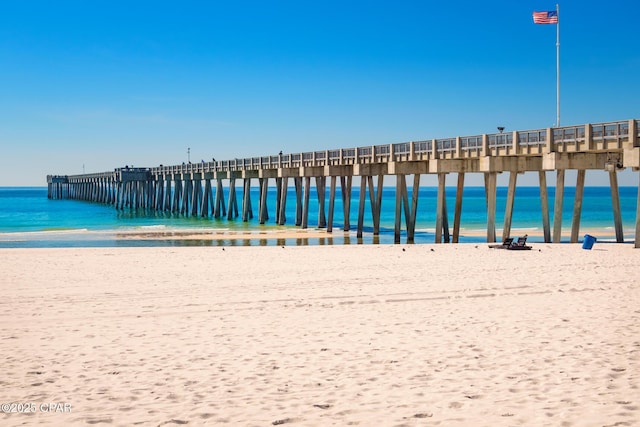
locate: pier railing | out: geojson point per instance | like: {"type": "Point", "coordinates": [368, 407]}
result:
{"type": "Point", "coordinates": [588, 138]}
{"type": "Point", "coordinates": [600, 137]}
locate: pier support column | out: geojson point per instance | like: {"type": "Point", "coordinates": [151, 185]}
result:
{"type": "Point", "coordinates": [557, 207]}
{"type": "Point", "coordinates": [263, 215]}
{"type": "Point", "coordinates": [131, 199]}
{"type": "Point", "coordinates": [332, 203]}
{"type": "Point", "coordinates": [577, 206]}
{"type": "Point", "coordinates": [637, 236]}
{"type": "Point", "coordinates": [119, 190]}
{"type": "Point", "coordinates": [160, 194]}
{"type": "Point", "coordinates": [615, 200]}
{"type": "Point", "coordinates": [363, 191]}
{"type": "Point", "coordinates": [458, 209]}
{"type": "Point", "coordinates": [490, 191]}
{"type": "Point", "coordinates": [196, 196]}
{"type": "Point", "coordinates": [186, 196]}
{"type": "Point", "coordinates": [206, 197]}
{"type": "Point", "coordinates": [544, 206]}
{"type": "Point", "coordinates": [167, 196]}
{"type": "Point", "coordinates": [278, 198]}
{"type": "Point", "coordinates": [345, 189]}
{"type": "Point", "coordinates": [442, 220]}
{"type": "Point", "coordinates": [283, 200]}
{"type": "Point", "coordinates": [177, 195]}
{"type": "Point", "coordinates": [321, 183]}
{"type": "Point", "coordinates": [297, 181]}
{"type": "Point", "coordinates": [411, 216]}
{"type": "Point", "coordinates": [219, 206]}
{"type": "Point", "coordinates": [305, 207]}
{"type": "Point", "coordinates": [232, 212]}
{"type": "Point", "coordinates": [375, 198]}
{"type": "Point", "coordinates": [511, 196]}
{"type": "Point", "coordinates": [247, 213]}
{"type": "Point", "coordinates": [398, 219]}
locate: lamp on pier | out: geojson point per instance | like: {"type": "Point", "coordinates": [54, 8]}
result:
{"type": "Point", "coordinates": [500, 129]}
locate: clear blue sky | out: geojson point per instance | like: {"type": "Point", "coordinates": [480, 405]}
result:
{"type": "Point", "coordinates": [108, 83]}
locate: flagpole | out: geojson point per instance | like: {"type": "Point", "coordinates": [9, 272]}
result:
{"type": "Point", "coordinates": [558, 66]}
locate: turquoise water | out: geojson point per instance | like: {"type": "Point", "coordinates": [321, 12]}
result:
{"type": "Point", "coordinates": [29, 219]}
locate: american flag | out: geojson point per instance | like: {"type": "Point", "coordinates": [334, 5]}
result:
{"type": "Point", "coordinates": [549, 17]}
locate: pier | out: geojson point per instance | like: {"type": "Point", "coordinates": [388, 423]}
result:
{"type": "Point", "coordinates": [196, 189]}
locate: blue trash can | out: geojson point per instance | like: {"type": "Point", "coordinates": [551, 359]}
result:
{"type": "Point", "coordinates": [588, 241]}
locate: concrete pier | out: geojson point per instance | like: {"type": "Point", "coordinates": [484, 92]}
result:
{"type": "Point", "coordinates": [188, 189]}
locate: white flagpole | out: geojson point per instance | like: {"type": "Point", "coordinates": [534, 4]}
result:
{"type": "Point", "coordinates": [558, 67]}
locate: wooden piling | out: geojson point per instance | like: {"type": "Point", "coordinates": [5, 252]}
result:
{"type": "Point", "coordinates": [398, 216]}
{"type": "Point", "coordinates": [297, 182]}
{"type": "Point", "coordinates": [508, 213]}
{"type": "Point", "coordinates": [490, 190]}
{"type": "Point", "coordinates": [440, 203]}
{"type": "Point", "coordinates": [332, 203]}
{"type": "Point", "coordinates": [177, 194]}
{"type": "Point", "coordinates": [544, 206]}
{"type": "Point", "coordinates": [411, 216]}
{"type": "Point", "coordinates": [167, 196]}
{"type": "Point", "coordinates": [321, 182]}
{"type": "Point", "coordinates": [305, 207]}
{"type": "Point", "coordinates": [283, 200]}
{"type": "Point", "coordinates": [637, 235]}
{"type": "Point", "coordinates": [557, 207]}
{"type": "Point", "coordinates": [232, 211]}
{"type": "Point", "coordinates": [345, 189]}
{"type": "Point", "coordinates": [246, 200]}
{"type": "Point", "coordinates": [363, 192]}
{"type": "Point", "coordinates": [615, 200]}
{"type": "Point", "coordinates": [278, 199]}
{"type": "Point", "coordinates": [263, 214]}
{"type": "Point", "coordinates": [206, 196]}
{"type": "Point", "coordinates": [577, 206]}
{"type": "Point", "coordinates": [196, 196]}
{"type": "Point", "coordinates": [458, 208]}
{"type": "Point", "coordinates": [219, 209]}
{"type": "Point", "coordinates": [375, 200]}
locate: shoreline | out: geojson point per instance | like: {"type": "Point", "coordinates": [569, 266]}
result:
{"type": "Point", "coordinates": [159, 234]}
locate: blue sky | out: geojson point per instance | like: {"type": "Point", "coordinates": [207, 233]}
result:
{"type": "Point", "coordinates": [100, 84]}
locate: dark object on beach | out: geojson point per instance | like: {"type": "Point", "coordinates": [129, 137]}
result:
{"type": "Point", "coordinates": [504, 245]}
{"type": "Point", "coordinates": [519, 245]}
{"type": "Point", "coordinates": [588, 242]}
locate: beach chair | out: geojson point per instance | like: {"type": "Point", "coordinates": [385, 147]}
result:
{"type": "Point", "coordinates": [504, 245]}
{"type": "Point", "coordinates": [520, 244]}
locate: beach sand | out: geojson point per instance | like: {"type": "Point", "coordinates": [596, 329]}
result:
{"type": "Point", "coordinates": [385, 335]}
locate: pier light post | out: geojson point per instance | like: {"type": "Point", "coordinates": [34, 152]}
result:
{"type": "Point", "coordinates": [189, 155]}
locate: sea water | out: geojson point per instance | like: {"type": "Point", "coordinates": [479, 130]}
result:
{"type": "Point", "coordinates": [29, 219]}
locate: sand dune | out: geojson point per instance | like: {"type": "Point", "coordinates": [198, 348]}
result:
{"type": "Point", "coordinates": [449, 335]}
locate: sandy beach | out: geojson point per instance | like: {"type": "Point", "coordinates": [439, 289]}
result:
{"type": "Point", "coordinates": [385, 335]}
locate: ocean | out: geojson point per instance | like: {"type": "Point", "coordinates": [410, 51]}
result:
{"type": "Point", "coordinates": [29, 219]}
